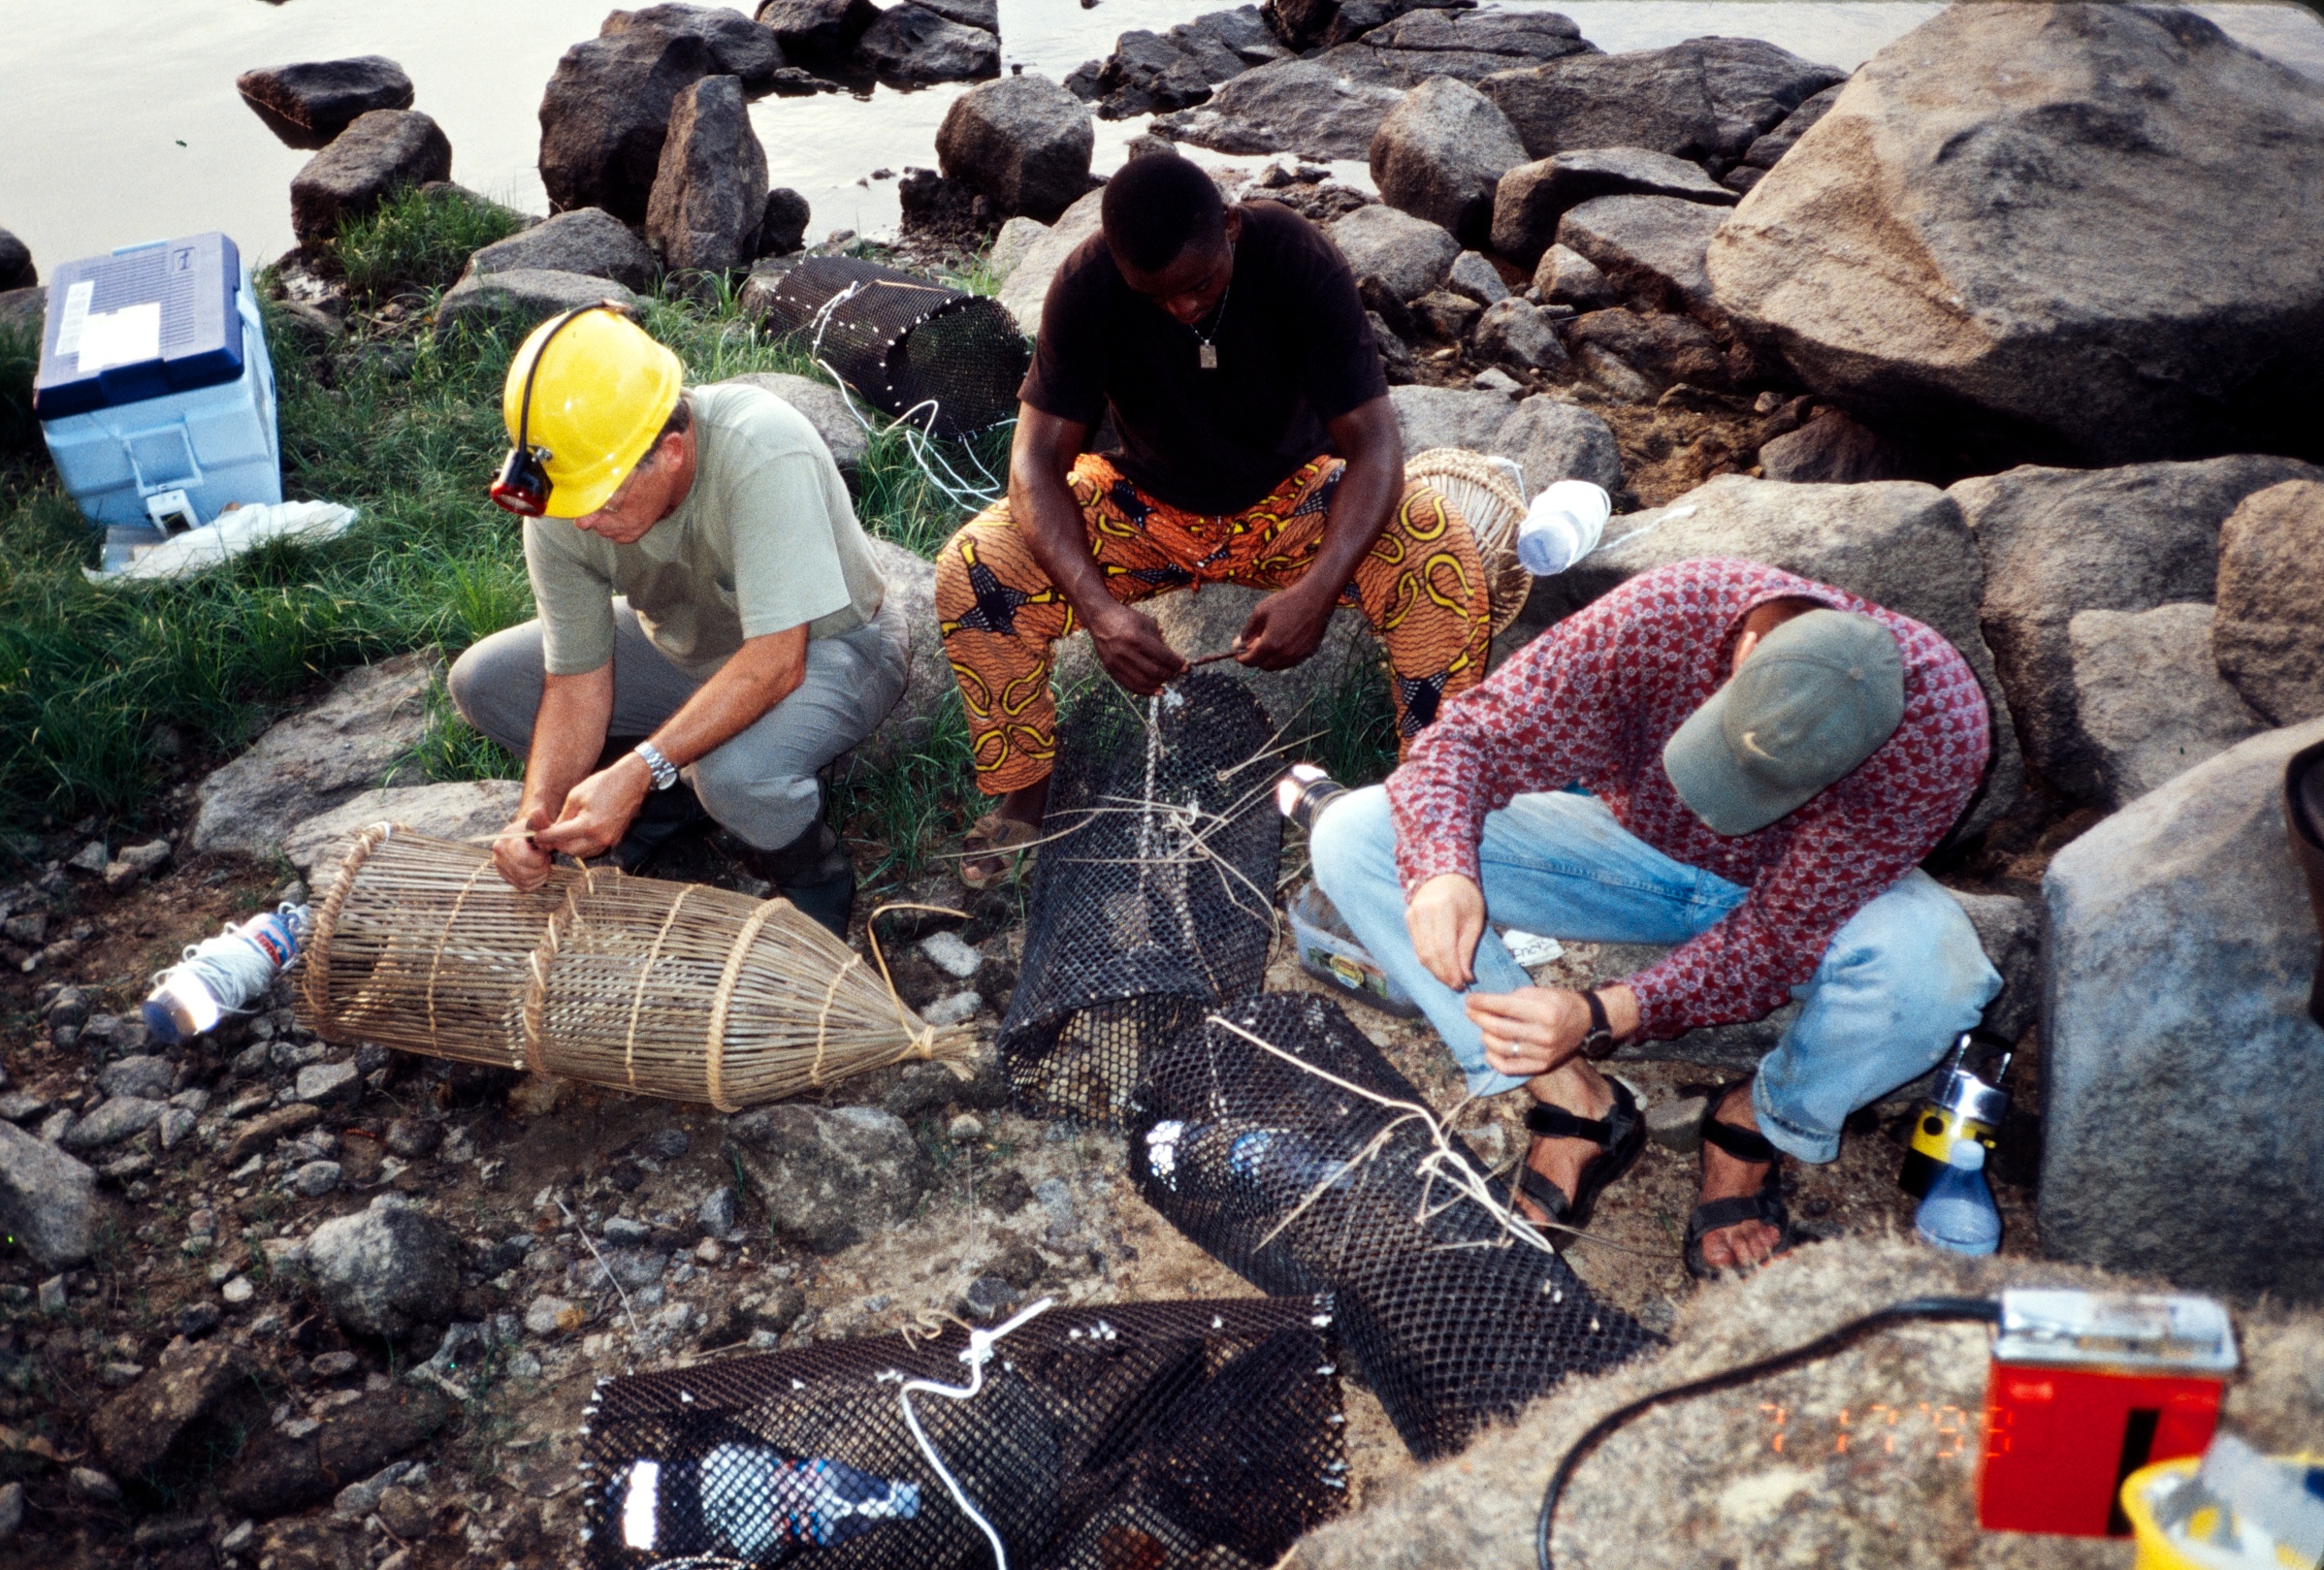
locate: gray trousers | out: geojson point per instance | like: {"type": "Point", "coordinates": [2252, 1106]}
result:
{"type": "Point", "coordinates": [761, 786]}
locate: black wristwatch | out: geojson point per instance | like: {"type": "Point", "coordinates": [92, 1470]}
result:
{"type": "Point", "coordinates": [1600, 1042]}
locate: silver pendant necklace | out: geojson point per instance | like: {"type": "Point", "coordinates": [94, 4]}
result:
{"type": "Point", "coordinates": [1206, 354]}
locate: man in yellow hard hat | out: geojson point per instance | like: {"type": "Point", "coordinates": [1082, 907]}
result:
{"type": "Point", "coordinates": [710, 612]}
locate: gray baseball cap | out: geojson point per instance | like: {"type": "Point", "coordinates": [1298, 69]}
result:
{"type": "Point", "coordinates": [1815, 697]}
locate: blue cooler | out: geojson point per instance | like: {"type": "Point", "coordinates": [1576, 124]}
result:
{"type": "Point", "coordinates": [155, 391]}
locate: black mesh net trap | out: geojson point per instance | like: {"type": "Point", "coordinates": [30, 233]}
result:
{"type": "Point", "coordinates": [1305, 1186]}
{"type": "Point", "coordinates": [906, 345]}
{"type": "Point", "coordinates": [1154, 895]}
{"type": "Point", "coordinates": [1146, 1437]}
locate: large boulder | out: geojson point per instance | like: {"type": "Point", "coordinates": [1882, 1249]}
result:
{"type": "Point", "coordinates": [1565, 277]}
{"type": "Point", "coordinates": [379, 152]}
{"type": "Point", "coordinates": [1439, 154]}
{"type": "Point", "coordinates": [2048, 228]}
{"type": "Point", "coordinates": [1468, 45]}
{"type": "Point", "coordinates": [1765, 154]}
{"type": "Point", "coordinates": [1517, 333]}
{"type": "Point", "coordinates": [1027, 285]}
{"type": "Point", "coordinates": [386, 1271]}
{"type": "Point", "coordinates": [310, 103]}
{"type": "Point", "coordinates": [1241, 32]}
{"type": "Point", "coordinates": [315, 760]}
{"type": "Point", "coordinates": [47, 1201]}
{"type": "Point", "coordinates": [1305, 24]}
{"type": "Point", "coordinates": [281, 1469]}
{"type": "Point", "coordinates": [1149, 74]}
{"type": "Point", "coordinates": [1408, 256]}
{"type": "Point", "coordinates": [607, 113]}
{"type": "Point", "coordinates": [1293, 105]}
{"type": "Point", "coordinates": [1021, 143]}
{"type": "Point", "coordinates": [1532, 197]}
{"type": "Point", "coordinates": [17, 271]}
{"type": "Point", "coordinates": [825, 409]}
{"type": "Point", "coordinates": [930, 686]}
{"type": "Point", "coordinates": [1706, 99]}
{"type": "Point", "coordinates": [739, 46]}
{"type": "Point", "coordinates": [823, 30]}
{"type": "Point", "coordinates": [1897, 544]}
{"type": "Point", "coordinates": [1649, 247]}
{"type": "Point", "coordinates": [2057, 542]}
{"type": "Point", "coordinates": [1654, 351]}
{"type": "Point", "coordinates": [1832, 449]}
{"type": "Point", "coordinates": [2149, 704]}
{"type": "Point", "coordinates": [783, 227]}
{"type": "Point", "coordinates": [2176, 1040]}
{"type": "Point", "coordinates": [2269, 639]}
{"type": "Point", "coordinates": [709, 194]}
{"type": "Point", "coordinates": [911, 45]}
{"type": "Point", "coordinates": [829, 1177]}
{"type": "Point", "coordinates": [588, 240]}
{"type": "Point", "coordinates": [1547, 439]}
{"type": "Point", "coordinates": [522, 297]}
{"type": "Point", "coordinates": [467, 810]}
{"type": "Point", "coordinates": [137, 1428]}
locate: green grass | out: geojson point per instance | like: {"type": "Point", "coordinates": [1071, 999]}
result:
{"type": "Point", "coordinates": [416, 242]}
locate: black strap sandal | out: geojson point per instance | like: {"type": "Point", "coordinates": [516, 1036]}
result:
{"type": "Point", "coordinates": [1768, 1204]}
{"type": "Point", "coordinates": [1619, 1136]}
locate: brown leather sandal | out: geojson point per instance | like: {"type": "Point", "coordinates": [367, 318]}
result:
{"type": "Point", "coordinates": [994, 837]}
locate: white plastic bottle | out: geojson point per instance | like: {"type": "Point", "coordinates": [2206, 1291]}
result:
{"type": "Point", "coordinates": [1959, 1213]}
{"type": "Point", "coordinates": [1562, 526]}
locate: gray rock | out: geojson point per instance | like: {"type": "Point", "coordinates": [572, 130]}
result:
{"type": "Point", "coordinates": [316, 760]}
{"type": "Point", "coordinates": [626, 1232]}
{"type": "Point", "coordinates": [1836, 450]}
{"type": "Point", "coordinates": [143, 1076]}
{"type": "Point", "coordinates": [1445, 314]}
{"type": "Point", "coordinates": [1409, 256]}
{"type": "Point", "coordinates": [2007, 225]}
{"type": "Point", "coordinates": [11, 1510]}
{"type": "Point", "coordinates": [17, 271]}
{"type": "Point", "coordinates": [1764, 154]}
{"type": "Point", "coordinates": [1149, 73]}
{"type": "Point", "coordinates": [90, 1486]}
{"type": "Point", "coordinates": [385, 1270]}
{"type": "Point", "coordinates": [825, 410]}
{"type": "Point", "coordinates": [276, 1472]}
{"type": "Point", "coordinates": [139, 1427]}
{"type": "Point", "coordinates": [1659, 351]}
{"type": "Point", "coordinates": [1241, 32]}
{"type": "Point", "coordinates": [606, 114]}
{"type": "Point", "coordinates": [115, 1119]}
{"type": "Point", "coordinates": [454, 810]}
{"type": "Point", "coordinates": [1566, 278]}
{"type": "Point", "coordinates": [381, 151]}
{"type": "Point", "coordinates": [2269, 639]}
{"type": "Point", "coordinates": [1900, 545]}
{"type": "Point", "coordinates": [1534, 197]}
{"type": "Point", "coordinates": [715, 1215]}
{"type": "Point", "coordinates": [930, 685]}
{"type": "Point", "coordinates": [1023, 142]}
{"type": "Point", "coordinates": [1650, 248]}
{"type": "Point", "coordinates": [48, 1199]}
{"type": "Point", "coordinates": [828, 1177]}
{"type": "Point", "coordinates": [2148, 701]}
{"type": "Point", "coordinates": [984, 13]}
{"type": "Point", "coordinates": [551, 1316]}
{"type": "Point", "coordinates": [1010, 245]}
{"type": "Point", "coordinates": [2057, 542]}
{"type": "Point", "coordinates": [1292, 106]}
{"type": "Point", "coordinates": [315, 100]}
{"type": "Point", "coordinates": [1210, 621]}
{"type": "Point", "coordinates": [1706, 99]}
{"type": "Point", "coordinates": [1513, 333]}
{"type": "Point", "coordinates": [1448, 417]}
{"type": "Point", "coordinates": [2180, 948]}
{"type": "Point", "coordinates": [817, 29]}
{"type": "Point", "coordinates": [782, 228]}
{"type": "Point", "coordinates": [1441, 153]}
{"type": "Point", "coordinates": [1548, 439]}
{"type": "Point", "coordinates": [738, 46]}
{"type": "Point", "coordinates": [1468, 45]}
{"type": "Point", "coordinates": [911, 44]}
{"type": "Point", "coordinates": [175, 1124]}
{"type": "Point", "coordinates": [1028, 283]}
{"type": "Point", "coordinates": [319, 1083]}
{"type": "Point", "coordinates": [1473, 276]}
{"type": "Point", "coordinates": [522, 296]}
{"type": "Point", "coordinates": [21, 1105]}
{"type": "Point", "coordinates": [709, 196]}
{"type": "Point", "coordinates": [588, 240]}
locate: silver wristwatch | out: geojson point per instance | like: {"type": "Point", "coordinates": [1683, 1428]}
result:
{"type": "Point", "coordinates": [665, 773]}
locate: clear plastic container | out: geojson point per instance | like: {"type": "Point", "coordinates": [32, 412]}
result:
{"type": "Point", "coordinates": [1958, 1213]}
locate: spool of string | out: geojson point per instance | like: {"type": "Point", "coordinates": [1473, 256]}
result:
{"type": "Point", "coordinates": [225, 975]}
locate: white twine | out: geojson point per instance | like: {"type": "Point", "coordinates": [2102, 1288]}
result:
{"type": "Point", "coordinates": [979, 1353]}
{"type": "Point", "coordinates": [231, 968]}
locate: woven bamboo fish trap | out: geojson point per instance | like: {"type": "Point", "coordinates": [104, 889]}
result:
{"type": "Point", "coordinates": [676, 990]}
{"type": "Point", "coordinates": [1489, 501]}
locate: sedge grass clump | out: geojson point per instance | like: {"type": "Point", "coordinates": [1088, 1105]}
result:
{"type": "Point", "coordinates": [415, 242]}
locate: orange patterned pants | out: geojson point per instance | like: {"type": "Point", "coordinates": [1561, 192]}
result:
{"type": "Point", "coordinates": [1420, 585]}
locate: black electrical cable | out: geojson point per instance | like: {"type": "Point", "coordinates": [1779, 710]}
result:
{"type": "Point", "coordinates": [1911, 1311]}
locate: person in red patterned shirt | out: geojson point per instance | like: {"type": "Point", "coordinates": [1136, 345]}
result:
{"type": "Point", "coordinates": [1717, 755]}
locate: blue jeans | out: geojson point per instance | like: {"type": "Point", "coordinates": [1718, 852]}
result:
{"type": "Point", "coordinates": [1900, 980]}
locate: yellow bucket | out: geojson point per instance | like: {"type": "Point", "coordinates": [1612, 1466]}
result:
{"type": "Point", "coordinates": [2155, 1550]}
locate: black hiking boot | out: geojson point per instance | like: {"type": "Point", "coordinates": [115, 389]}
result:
{"type": "Point", "coordinates": [813, 872]}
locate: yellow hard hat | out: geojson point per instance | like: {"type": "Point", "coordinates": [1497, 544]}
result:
{"type": "Point", "coordinates": [587, 393]}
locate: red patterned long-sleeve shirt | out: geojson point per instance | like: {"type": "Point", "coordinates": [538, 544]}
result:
{"type": "Point", "coordinates": [1591, 701]}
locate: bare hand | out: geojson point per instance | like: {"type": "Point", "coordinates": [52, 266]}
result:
{"type": "Point", "coordinates": [1131, 647]}
{"type": "Point", "coordinates": [598, 811]}
{"type": "Point", "coordinates": [1446, 919]}
{"type": "Point", "coordinates": [1284, 628]}
{"type": "Point", "coordinates": [517, 858]}
{"type": "Point", "coordinates": [1532, 1029]}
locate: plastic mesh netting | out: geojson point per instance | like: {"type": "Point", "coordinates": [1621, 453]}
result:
{"type": "Point", "coordinates": [903, 343]}
{"type": "Point", "coordinates": [1153, 898]}
{"type": "Point", "coordinates": [1146, 1437]}
{"type": "Point", "coordinates": [1303, 1186]}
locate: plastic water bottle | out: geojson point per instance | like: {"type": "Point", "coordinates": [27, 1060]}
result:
{"type": "Point", "coordinates": [759, 1502]}
{"type": "Point", "coordinates": [1958, 1213]}
{"type": "Point", "coordinates": [1562, 526]}
{"type": "Point", "coordinates": [224, 974]}
{"type": "Point", "coordinates": [1277, 1159]}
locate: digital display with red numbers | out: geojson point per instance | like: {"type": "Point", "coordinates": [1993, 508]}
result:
{"type": "Point", "coordinates": [1917, 1431]}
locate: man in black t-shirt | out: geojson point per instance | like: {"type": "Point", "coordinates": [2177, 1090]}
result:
{"type": "Point", "coordinates": [1258, 447]}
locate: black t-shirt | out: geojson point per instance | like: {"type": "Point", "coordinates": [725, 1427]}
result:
{"type": "Point", "coordinates": [1295, 349]}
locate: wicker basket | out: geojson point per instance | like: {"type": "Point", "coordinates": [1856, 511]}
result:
{"type": "Point", "coordinates": [1493, 507]}
{"type": "Point", "coordinates": [675, 990]}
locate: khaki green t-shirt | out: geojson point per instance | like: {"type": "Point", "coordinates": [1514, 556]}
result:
{"type": "Point", "coordinates": [766, 540]}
